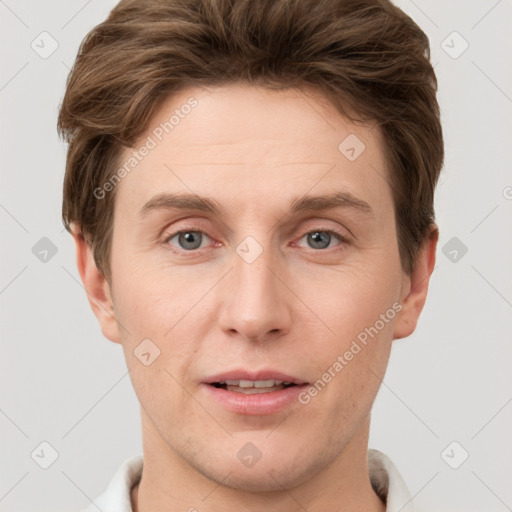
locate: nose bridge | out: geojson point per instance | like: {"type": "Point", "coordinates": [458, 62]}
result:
{"type": "Point", "coordinates": [255, 304]}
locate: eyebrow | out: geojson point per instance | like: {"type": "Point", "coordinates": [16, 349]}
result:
{"type": "Point", "coordinates": [181, 202]}
{"type": "Point", "coordinates": [329, 202]}
{"type": "Point", "coordinates": [193, 202]}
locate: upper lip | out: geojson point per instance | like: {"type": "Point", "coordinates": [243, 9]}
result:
{"type": "Point", "coordinates": [265, 374]}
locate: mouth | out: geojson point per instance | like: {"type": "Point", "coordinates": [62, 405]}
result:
{"type": "Point", "coordinates": [263, 392]}
{"type": "Point", "coordinates": [252, 387]}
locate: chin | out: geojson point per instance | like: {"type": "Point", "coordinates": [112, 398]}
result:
{"type": "Point", "coordinates": [259, 484]}
{"type": "Point", "coordinates": [259, 481]}
{"type": "Point", "coordinates": [265, 475]}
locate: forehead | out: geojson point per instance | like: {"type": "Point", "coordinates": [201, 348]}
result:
{"type": "Point", "coordinates": [253, 141]}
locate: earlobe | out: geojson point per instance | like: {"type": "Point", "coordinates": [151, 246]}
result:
{"type": "Point", "coordinates": [416, 288]}
{"type": "Point", "coordinates": [96, 286]}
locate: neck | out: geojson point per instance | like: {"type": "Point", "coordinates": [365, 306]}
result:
{"type": "Point", "coordinates": [170, 484]}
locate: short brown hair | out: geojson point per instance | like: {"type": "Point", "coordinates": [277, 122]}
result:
{"type": "Point", "coordinates": [366, 56]}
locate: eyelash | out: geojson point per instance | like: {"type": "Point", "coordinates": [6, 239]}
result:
{"type": "Point", "coordinates": [341, 238]}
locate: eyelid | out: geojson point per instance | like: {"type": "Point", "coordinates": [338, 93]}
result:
{"type": "Point", "coordinates": [185, 230]}
{"type": "Point", "coordinates": [326, 229]}
{"type": "Point", "coordinates": [193, 223]}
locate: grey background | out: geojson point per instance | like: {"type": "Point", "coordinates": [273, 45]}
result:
{"type": "Point", "coordinates": [64, 384]}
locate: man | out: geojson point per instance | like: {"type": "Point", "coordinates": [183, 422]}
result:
{"type": "Point", "coordinates": [249, 185]}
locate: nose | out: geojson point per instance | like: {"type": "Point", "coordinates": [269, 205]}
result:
{"type": "Point", "coordinates": [256, 305]}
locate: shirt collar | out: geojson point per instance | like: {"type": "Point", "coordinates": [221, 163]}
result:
{"type": "Point", "coordinates": [388, 483]}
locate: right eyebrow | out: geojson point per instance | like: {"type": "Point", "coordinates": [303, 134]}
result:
{"type": "Point", "coordinates": [181, 202]}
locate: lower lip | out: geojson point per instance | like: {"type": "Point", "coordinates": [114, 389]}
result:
{"type": "Point", "coordinates": [255, 404]}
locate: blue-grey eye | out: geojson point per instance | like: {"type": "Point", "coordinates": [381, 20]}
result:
{"type": "Point", "coordinates": [321, 239]}
{"type": "Point", "coordinates": [188, 240]}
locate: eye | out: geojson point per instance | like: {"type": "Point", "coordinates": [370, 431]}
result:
{"type": "Point", "coordinates": [322, 238]}
{"type": "Point", "coordinates": [188, 240]}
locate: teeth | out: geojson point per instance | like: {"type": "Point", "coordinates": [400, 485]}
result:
{"type": "Point", "coordinates": [254, 383]}
{"type": "Point", "coordinates": [253, 391]}
{"type": "Point", "coordinates": [266, 383]}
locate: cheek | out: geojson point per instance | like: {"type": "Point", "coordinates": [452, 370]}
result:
{"type": "Point", "coordinates": [159, 345]}
{"type": "Point", "coordinates": [351, 299]}
{"type": "Point", "coordinates": [152, 299]}
{"type": "Point", "coordinates": [168, 308]}
{"type": "Point", "coordinates": [359, 308]}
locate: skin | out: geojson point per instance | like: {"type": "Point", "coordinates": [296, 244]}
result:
{"type": "Point", "coordinates": [296, 308]}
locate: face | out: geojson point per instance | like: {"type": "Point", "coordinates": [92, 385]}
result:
{"type": "Point", "coordinates": [256, 282]}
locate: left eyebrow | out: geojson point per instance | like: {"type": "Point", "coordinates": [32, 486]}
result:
{"type": "Point", "coordinates": [329, 202]}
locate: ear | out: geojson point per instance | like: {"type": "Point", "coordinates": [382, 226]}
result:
{"type": "Point", "coordinates": [416, 286]}
{"type": "Point", "coordinates": [96, 286]}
